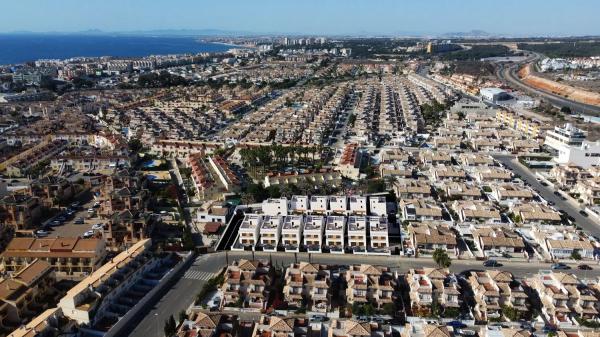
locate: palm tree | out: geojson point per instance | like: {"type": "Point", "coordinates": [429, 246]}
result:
{"type": "Point", "coordinates": [441, 258]}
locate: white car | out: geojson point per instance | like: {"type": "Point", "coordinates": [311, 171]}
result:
{"type": "Point", "coordinates": [88, 234]}
{"type": "Point", "coordinates": [41, 233]}
{"type": "Point", "coordinates": [91, 210]}
{"type": "Point", "coordinates": [98, 226]}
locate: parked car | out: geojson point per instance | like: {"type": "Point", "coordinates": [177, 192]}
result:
{"type": "Point", "coordinates": [79, 221]}
{"type": "Point", "coordinates": [492, 263]}
{"type": "Point", "coordinates": [54, 223]}
{"type": "Point", "coordinates": [98, 226]}
{"type": "Point", "coordinates": [584, 267]}
{"type": "Point", "coordinates": [559, 266]}
{"type": "Point", "coordinates": [91, 210]}
{"type": "Point", "coordinates": [41, 233]}
{"type": "Point", "coordinates": [584, 213]}
{"type": "Point", "coordinates": [88, 234]}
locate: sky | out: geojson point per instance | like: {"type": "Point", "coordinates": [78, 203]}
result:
{"type": "Point", "coordinates": [327, 17]}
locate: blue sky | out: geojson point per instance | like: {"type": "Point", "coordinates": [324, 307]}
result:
{"type": "Point", "coordinates": [532, 17]}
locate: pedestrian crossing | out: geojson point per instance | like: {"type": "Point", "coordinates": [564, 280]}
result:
{"type": "Point", "coordinates": [198, 275]}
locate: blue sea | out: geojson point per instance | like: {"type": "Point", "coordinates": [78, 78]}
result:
{"type": "Point", "coordinates": [21, 48]}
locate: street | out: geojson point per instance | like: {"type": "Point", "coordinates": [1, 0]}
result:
{"type": "Point", "coordinates": [547, 193]}
{"type": "Point", "coordinates": [509, 74]}
{"type": "Point", "coordinates": [180, 296]}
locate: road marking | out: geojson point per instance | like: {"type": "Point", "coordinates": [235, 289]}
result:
{"type": "Point", "coordinates": [198, 275]}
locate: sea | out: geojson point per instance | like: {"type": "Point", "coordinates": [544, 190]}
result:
{"type": "Point", "coordinates": [20, 48]}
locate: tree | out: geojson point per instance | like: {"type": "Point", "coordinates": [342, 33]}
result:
{"type": "Point", "coordinates": [182, 316]}
{"type": "Point", "coordinates": [510, 312]}
{"type": "Point", "coordinates": [575, 255]}
{"type": "Point", "coordinates": [565, 110]}
{"type": "Point", "coordinates": [389, 309]}
{"type": "Point", "coordinates": [135, 145]}
{"type": "Point", "coordinates": [441, 258]}
{"type": "Point", "coordinates": [187, 240]}
{"type": "Point", "coordinates": [170, 327]}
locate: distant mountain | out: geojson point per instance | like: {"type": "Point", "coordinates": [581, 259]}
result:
{"type": "Point", "coordinates": [471, 34]}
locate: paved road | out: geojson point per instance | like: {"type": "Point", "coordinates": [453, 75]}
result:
{"type": "Point", "coordinates": [180, 296]}
{"type": "Point", "coordinates": [547, 193]}
{"type": "Point", "coordinates": [509, 74]}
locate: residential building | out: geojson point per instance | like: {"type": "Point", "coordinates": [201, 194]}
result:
{"type": "Point", "coordinates": [429, 285]}
{"type": "Point", "coordinates": [378, 206]}
{"type": "Point", "coordinates": [20, 211]}
{"type": "Point", "coordinates": [412, 189]}
{"type": "Point", "coordinates": [314, 227]}
{"type": "Point", "coordinates": [563, 297]}
{"type": "Point", "coordinates": [246, 284]}
{"type": "Point", "coordinates": [480, 212]}
{"type": "Point", "coordinates": [493, 290]}
{"type": "Point", "coordinates": [561, 242]}
{"type": "Point", "coordinates": [358, 204]}
{"type": "Point", "coordinates": [270, 232]}
{"type": "Point", "coordinates": [425, 238]}
{"type": "Point", "coordinates": [275, 207]}
{"type": "Point", "coordinates": [73, 257]}
{"type": "Point", "coordinates": [249, 231]}
{"type": "Point", "coordinates": [420, 210]}
{"type": "Point", "coordinates": [26, 293]}
{"type": "Point", "coordinates": [532, 214]}
{"type": "Point", "coordinates": [378, 234]}
{"type": "Point", "coordinates": [357, 233]}
{"type": "Point", "coordinates": [291, 232]}
{"type": "Point", "coordinates": [335, 231]}
{"type": "Point", "coordinates": [497, 239]}
{"type": "Point", "coordinates": [100, 299]}
{"type": "Point", "coordinates": [370, 284]}
{"type": "Point", "coordinates": [338, 204]}
{"type": "Point", "coordinates": [308, 283]}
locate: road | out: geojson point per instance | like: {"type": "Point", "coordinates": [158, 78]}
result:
{"type": "Point", "coordinates": [181, 295]}
{"type": "Point", "coordinates": [547, 193]}
{"type": "Point", "coordinates": [509, 74]}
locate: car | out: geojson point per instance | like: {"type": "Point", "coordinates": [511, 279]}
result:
{"type": "Point", "coordinates": [456, 324]}
{"type": "Point", "coordinates": [88, 234]}
{"type": "Point", "coordinates": [570, 218]}
{"type": "Point", "coordinates": [41, 233]}
{"type": "Point", "coordinates": [543, 183]}
{"type": "Point", "coordinates": [559, 266]}
{"type": "Point", "coordinates": [91, 210]}
{"type": "Point", "coordinates": [551, 203]}
{"type": "Point", "coordinates": [98, 226]}
{"type": "Point", "coordinates": [75, 204]}
{"type": "Point", "coordinates": [60, 218]}
{"type": "Point", "coordinates": [584, 267]}
{"type": "Point", "coordinates": [492, 263]}
{"type": "Point", "coordinates": [466, 332]}
{"type": "Point", "coordinates": [79, 221]}
{"type": "Point", "coordinates": [54, 223]}
{"type": "Point", "coordinates": [319, 318]}
{"type": "Point", "coordinates": [584, 213]}
{"type": "Point", "coordinates": [557, 193]}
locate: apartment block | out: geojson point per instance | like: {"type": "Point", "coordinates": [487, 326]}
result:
{"type": "Point", "coordinates": [494, 289]}
{"type": "Point", "coordinates": [335, 230]}
{"type": "Point", "coordinates": [270, 232]}
{"type": "Point", "coordinates": [429, 285]}
{"type": "Point", "coordinates": [379, 234]}
{"type": "Point", "coordinates": [249, 231]}
{"type": "Point", "coordinates": [370, 284]}
{"type": "Point", "coordinates": [308, 283]}
{"type": "Point", "coordinates": [357, 233]}
{"type": "Point", "coordinates": [314, 228]}
{"type": "Point", "coordinates": [291, 232]}
{"type": "Point", "coordinates": [247, 284]}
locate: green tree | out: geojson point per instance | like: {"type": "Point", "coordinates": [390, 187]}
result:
{"type": "Point", "coordinates": [182, 316]}
{"type": "Point", "coordinates": [441, 258]}
{"type": "Point", "coordinates": [170, 327]}
{"type": "Point", "coordinates": [389, 309]}
{"type": "Point", "coordinates": [510, 312]}
{"type": "Point", "coordinates": [575, 255]}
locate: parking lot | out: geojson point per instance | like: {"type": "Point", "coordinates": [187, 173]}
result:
{"type": "Point", "coordinates": [74, 221]}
